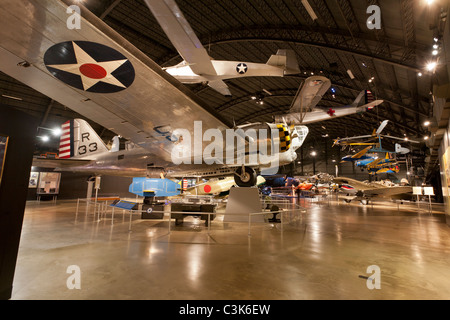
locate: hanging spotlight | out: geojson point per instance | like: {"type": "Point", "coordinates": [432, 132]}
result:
{"type": "Point", "coordinates": [431, 66]}
{"type": "Point", "coordinates": [57, 132]}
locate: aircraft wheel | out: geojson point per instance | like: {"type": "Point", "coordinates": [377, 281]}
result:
{"type": "Point", "coordinates": [248, 179]}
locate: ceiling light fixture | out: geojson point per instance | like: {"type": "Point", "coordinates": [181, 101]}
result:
{"type": "Point", "coordinates": [431, 66]}
{"type": "Point", "coordinates": [350, 74]}
{"type": "Point", "coordinates": [11, 97]}
{"type": "Point", "coordinates": [310, 10]}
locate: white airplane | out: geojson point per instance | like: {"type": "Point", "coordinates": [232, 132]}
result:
{"type": "Point", "coordinates": [304, 107]}
{"type": "Point", "coordinates": [198, 66]}
{"type": "Point", "coordinates": [100, 75]}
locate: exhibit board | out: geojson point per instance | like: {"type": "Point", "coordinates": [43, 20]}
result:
{"type": "Point", "coordinates": [445, 181]}
{"type": "Point", "coordinates": [49, 183]}
{"type": "Point", "coordinates": [417, 191]}
{"type": "Point", "coordinates": [428, 191]}
{"type": "Point", "coordinates": [34, 179]}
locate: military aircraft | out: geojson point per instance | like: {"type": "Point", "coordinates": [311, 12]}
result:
{"type": "Point", "coordinates": [375, 165]}
{"type": "Point", "coordinates": [97, 73]}
{"type": "Point", "coordinates": [365, 191]}
{"type": "Point", "coordinates": [304, 107]}
{"type": "Point", "coordinates": [148, 187]}
{"type": "Point", "coordinates": [198, 66]}
{"type": "Point", "coordinates": [360, 156]}
{"type": "Point", "coordinates": [217, 186]}
{"type": "Point", "coordinates": [374, 140]}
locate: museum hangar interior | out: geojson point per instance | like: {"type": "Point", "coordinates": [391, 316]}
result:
{"type": "Point", "coordinates": [85, 86]}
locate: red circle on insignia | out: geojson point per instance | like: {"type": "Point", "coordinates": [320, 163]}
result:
{"type": "Point", "coordinates": [93, 71]}
{"type": "Point", "coordinates": [207, 188]}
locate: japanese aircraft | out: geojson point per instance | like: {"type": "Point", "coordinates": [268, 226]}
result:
{"type": "Point", "coordinates": [97, 73]}
{"type": "Point", "coordinates": [304, 107]}
{"type": "Point", "coordinates": [364, 191]}
{"type": "Point", "coordinates": [198, 67]}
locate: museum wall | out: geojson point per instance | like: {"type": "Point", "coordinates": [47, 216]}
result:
{"type": "Point", "coordinates": [441, 96]}
{"type": "Point", "coordinates": [74, 186]}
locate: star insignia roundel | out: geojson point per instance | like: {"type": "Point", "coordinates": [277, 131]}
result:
{"type": "Point", "coordinates": [89, 66]}
{"type": "Point", "coordinates": [241, 68]}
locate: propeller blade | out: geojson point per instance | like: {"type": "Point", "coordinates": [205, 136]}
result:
{"type": "Point", "coordinates": [382, 126]}
{"type": "Point", "coordinates": [401, 139]}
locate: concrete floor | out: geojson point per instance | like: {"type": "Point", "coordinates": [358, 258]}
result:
{"type": "Point", "coordinates": [321, 254]}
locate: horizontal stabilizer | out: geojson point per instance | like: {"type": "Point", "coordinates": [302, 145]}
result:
{"type": "Point", "coordinates": [220, 87]}
{"type": "Point", "coordinates": [285, 59]}
{"type": "Point", "coordinates": [58, 163]}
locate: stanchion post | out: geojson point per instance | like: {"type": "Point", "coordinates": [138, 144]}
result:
{"type": "Point", "coordinates": [129, 226]}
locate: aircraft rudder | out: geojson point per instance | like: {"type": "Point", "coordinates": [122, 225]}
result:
{"type": "Point", "coordinates": [79, 140]}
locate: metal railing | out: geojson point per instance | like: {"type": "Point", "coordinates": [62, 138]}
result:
{"type": "Point", "coordinates": [101, 209]}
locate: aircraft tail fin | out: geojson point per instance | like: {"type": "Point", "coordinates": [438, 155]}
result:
{"type": "Point", "coordinates": [285, 59]}
{"type": "Point", "coordinates": [401, 150]}
{"type": "Point", "coordinates": [366, 101]}
{"type": "Point", "coordinates": [79, 141]}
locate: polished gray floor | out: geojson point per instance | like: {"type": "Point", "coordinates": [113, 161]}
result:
{"type": "Point", "coordinates": [320, 253]}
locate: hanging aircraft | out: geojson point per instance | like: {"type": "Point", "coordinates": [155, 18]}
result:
{"type": "Point", "coordinates": [97, 73]}
{"type": "Point", "coordinates": [365, 192]}
{"type": "Point", "coordinates": [360, 156]}
{"type": "Point", "coordinates": [376, 137]}
{"type": "Point", "coordinates": [198, 67]}
{"type": "Point", "coordinates": [377, 165]}
{"type": "Point", "coordinates": [304, 109]}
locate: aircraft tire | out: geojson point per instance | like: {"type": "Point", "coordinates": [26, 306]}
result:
{"type": "Point", "coordinates": [250, 179]}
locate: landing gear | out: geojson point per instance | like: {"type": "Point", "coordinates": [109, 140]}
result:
{"type": "Point", "coordinates": [245, 177]}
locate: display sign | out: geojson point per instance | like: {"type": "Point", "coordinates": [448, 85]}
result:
{"type": "Point", "coordinates": [49, 183]}
{"type": "Point", "coordinates": [428, 191]}
{"type": "Point", "coordinates": [3, 147]}
{"type": "Point", "coordinates": [34, 178]}
{"type": "Point", "coordinates": [417, 191]}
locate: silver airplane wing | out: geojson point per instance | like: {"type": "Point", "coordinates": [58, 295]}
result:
{"type": "Point", "coordinates": [309, 95]}
{"type": "Point", "coordinates": [97, 73]}
{"type": "Point", "coordinates": [180, 33]}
